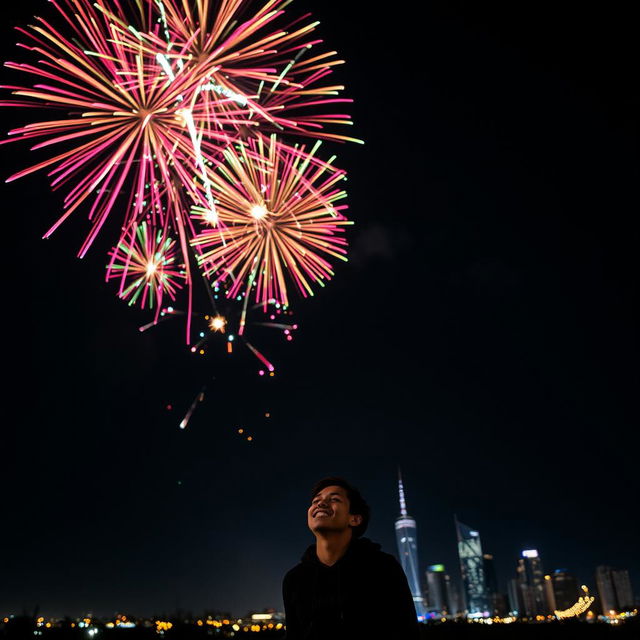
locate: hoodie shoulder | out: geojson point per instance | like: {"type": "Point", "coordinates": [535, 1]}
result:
{"type": "Point", "coordinates": [389, 560]}
{"type": "Point", "coordinates": [372, 552]}
{"type": "Point", "coordinates": [293, 573]}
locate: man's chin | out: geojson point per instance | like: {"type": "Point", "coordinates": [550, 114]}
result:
{"type": "Point", "coordinates": [324, 528]}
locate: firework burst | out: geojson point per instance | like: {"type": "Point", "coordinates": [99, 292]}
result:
{"type": "Point", "coordinates": [145, 265]}
{"type": "Point", "coordinates": [122, 126]}
{"type": "Point", "coordinates": [278, 221]}
{"type": "Point", "coordinates": [264, 72]}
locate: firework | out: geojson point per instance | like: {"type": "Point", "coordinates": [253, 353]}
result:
{"type": "Point", "coordinates": [144, 262]}
{"type": "Point", "coordinates": [263, 71]}
{"type": "Point", "coordinates": [279, 221]}
{"type": "Point", "coordinates": [121, 123]}
{"type": "Point", "coordinates": [172, 117]}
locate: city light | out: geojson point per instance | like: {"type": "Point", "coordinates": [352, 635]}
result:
{"type": "Point", "coordinates": [577, 609]}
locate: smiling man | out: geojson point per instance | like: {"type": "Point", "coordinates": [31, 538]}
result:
{"type": "Point", "coordinates": [346, 587]}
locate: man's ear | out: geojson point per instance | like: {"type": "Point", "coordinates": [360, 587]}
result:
{"type": "Point", "coordinates": [355, 521]}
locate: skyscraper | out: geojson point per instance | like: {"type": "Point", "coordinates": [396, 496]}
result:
{"type": "Point", "coordinates": [614, 588]}
{"type": "Point", "coordinates": [531, 580]}
{"type": "Point", "coordinates": [604, 582]}
{"type": "Point", "coordinates": [565, 589]}
{"type": "Point", "coordinates": [454, 597]}
{"type": "Point", "coordinates": [472, 569]}
{"type": "Point", "coordinates": [490, 577]}
{"type": "Point", "coordinates": [624, 592]}
{"type": "Point", "coordinates": [497, 601]}
{"type": "Point", "coordinates": [437, 601]}
{"type": "Point", "coordinates": [408, 551]}
{"type": "Point", "coordinates": [516, 601]}
{"type": "Point", "coordinates": [550, 594]}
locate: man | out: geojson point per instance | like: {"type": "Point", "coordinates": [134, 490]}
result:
{"type": "Point", "coordinates": [345, 588]}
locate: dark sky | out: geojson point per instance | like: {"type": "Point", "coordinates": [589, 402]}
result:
{"type": "Point", "coordinates": [483, 336]}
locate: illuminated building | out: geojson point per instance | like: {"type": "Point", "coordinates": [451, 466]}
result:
{"type": "Point", "coordinates": [516, 601]}
{"type": "Point", "coordinates": [406, 538]}
{"type": "Point", "coordinates": [437, 579]}
{"type": "Point", "coordinates": [549, 593]}
{"type": "Point", "coordinates": [624, 592]}
{"type": "Point", "coordinates": [531, 579]}
{"type": "Point", "coordinates": [565, 589]}
{"type": "Point", "coordinates": [472, 569]}
{"type": "Point", "coordinates": [269, 615]}
{"type": "Point", "coordinates": [614, 589]}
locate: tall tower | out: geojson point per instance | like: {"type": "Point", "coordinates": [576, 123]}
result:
{"type": "Point", "coordinates": [408, 551]}
{"type": "Point", "coordinates": [472, 569]}
{"type": "Point", "coordinates": [531, 578]}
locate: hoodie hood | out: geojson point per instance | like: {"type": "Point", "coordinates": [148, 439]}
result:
{"type": "Point", "coordinates": [358, 548]}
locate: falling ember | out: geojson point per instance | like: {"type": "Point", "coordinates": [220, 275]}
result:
{"type": "Point", "coordinates": [192, 408]}
{"type": "Point", "coordinates": [260, 357]}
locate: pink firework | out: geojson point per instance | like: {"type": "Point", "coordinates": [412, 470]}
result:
{"type": "Point", "coordinates": [278, 221]}
{"type": "Point", "coordinates": [122, 125]}
{"type": "Point", "coordinates": [264, 70]}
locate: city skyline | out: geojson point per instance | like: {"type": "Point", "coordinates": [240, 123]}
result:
{"type": "Point", "coordinates": [482, 336]}
{"type": "Point", "coordinates": [477, 592]}
{"type": "Point", "coordinates": [526, 590]}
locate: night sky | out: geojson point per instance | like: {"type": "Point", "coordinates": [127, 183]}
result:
{"type": "Point", "coordinates": [482, 336]}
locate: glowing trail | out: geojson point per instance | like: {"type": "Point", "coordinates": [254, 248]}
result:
{"type": "Point", "coordinates": [187, 114]}
{"type": "Point", "coordinates": [199, 398]}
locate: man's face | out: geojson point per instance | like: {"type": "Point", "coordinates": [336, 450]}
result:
{"type": "Point", "coordinates": [329, 511]}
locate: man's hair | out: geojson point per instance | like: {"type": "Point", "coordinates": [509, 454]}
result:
{"type": "Point", "coordinates": [357, 504]}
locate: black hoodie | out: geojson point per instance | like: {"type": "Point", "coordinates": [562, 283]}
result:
{"type": "Point", "coordinates": [363, 595]}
